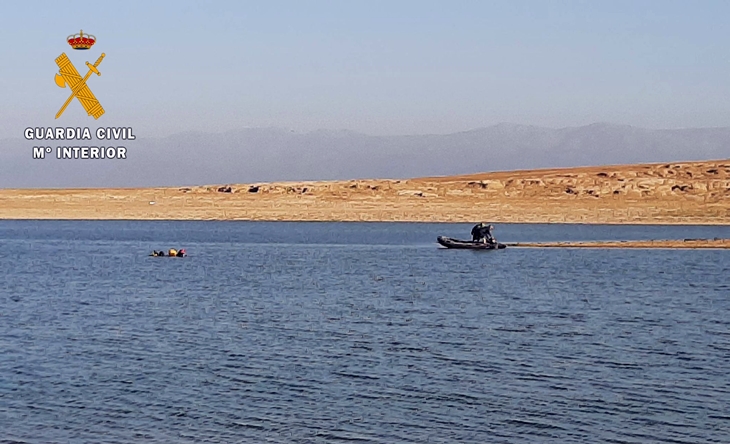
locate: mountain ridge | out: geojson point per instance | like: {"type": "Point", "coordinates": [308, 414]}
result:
{"type": "Point", "coordinates": [278, 154]}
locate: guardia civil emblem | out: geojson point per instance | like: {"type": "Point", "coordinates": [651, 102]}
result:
{"type": "Point", "coordinates": [69, 76]}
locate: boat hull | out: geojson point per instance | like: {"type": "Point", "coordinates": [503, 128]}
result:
{"type": "Point", "coordinates": [467, 245]}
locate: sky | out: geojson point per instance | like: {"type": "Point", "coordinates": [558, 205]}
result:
{"type": "Point", "coordinates": [377, 67]}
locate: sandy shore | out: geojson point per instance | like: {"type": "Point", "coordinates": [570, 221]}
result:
{"type": "Point", "coordinates": [676, 193]}
{"type": "Point", "coordinates": [673, 244]}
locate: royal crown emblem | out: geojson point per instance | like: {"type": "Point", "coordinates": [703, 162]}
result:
{"type": "Point", "coordinates": [81, 40]}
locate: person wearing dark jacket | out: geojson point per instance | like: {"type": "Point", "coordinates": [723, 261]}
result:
{"type": "Point", "coordinates": [483, 233]}
{"type": "Point", "coordinates": [476, 232]}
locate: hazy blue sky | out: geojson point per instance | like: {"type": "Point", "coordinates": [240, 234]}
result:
{"type": "Point", "coordinates": [380, 67]}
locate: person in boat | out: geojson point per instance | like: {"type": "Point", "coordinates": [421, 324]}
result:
{"type": "Point", "coordinates": [158, 253]}
{"type": "Point", "coordinates": [488, 236]}
{"type": "Point", "coordinates": [476, 232]}
{"type": "Point", "coordinates": [172, 252]}
{"type": "Point", "coordinates": [181, 253]}
{"type": "Point", "coordinates": [483, 233]}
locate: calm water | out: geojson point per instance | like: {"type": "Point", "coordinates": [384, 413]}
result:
{"type": "Point", "coordinates": [285, 332]}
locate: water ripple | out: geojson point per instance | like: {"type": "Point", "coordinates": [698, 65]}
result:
{"type": "Point", "coordinates": [314, 342]}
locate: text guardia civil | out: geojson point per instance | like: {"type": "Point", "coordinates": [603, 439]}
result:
{"type": "Point", "coordinates": [80, 152]}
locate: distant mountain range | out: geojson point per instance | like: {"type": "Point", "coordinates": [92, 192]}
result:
{"type": "Point", "coordinates": [271, 154]}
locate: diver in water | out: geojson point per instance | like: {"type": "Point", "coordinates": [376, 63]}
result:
{"type": "Point", "coordinates": [171, 253]}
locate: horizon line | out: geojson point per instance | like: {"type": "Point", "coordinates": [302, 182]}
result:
{"type": "Point", "coordinates": [345, 130]}
{"type": "Point", "coordinates": [458, 177]}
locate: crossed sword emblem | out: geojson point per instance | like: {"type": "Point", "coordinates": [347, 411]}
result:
{"type": "Point", "coordinates": [79, 89]}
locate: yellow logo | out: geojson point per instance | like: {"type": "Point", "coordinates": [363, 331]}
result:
{"type": "Point", "coordinates": [68, 75]}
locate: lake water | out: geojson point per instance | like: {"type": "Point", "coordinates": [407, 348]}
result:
{"type": "Point", "coordinates": [367, 333]}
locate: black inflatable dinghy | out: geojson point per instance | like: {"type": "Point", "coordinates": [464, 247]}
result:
{"type": "Point", "coordinates": [468, 245]}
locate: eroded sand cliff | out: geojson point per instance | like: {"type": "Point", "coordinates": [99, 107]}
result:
{"type": "Point", "coordinates": [670, 193]}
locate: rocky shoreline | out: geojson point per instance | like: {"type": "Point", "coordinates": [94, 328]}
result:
{"type": "Point", "coordinates": [670, 193]}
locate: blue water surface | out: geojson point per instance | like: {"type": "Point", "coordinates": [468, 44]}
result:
{"type": "Point", "coordinates": [349, 332]}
